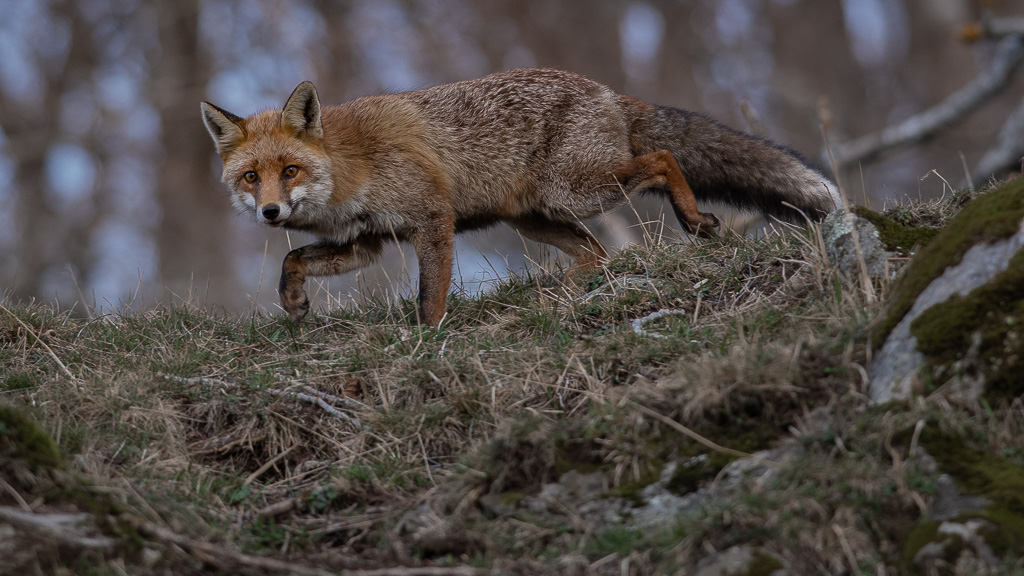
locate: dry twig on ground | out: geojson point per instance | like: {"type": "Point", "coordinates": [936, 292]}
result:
{"type": "Point", "coordinates": [310, 396]}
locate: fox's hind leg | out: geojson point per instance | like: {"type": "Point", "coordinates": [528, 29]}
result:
{"type": "Point", "coordinates": [321, 259]}
{"type": "Point", "coordinates": [586, 252]}
{"type": "Point", "coordinates": [661, 171]}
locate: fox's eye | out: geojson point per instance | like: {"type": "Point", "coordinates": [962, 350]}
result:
{"type": "Point", "coordinates": [291, 171]}
{"type": "Point", "coordinates": [250, 176]}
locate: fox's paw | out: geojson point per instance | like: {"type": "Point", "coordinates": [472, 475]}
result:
{"type": "Point", "coordinates": [295, 303]}
{"type": "Point", "coordinates": [706, 226]}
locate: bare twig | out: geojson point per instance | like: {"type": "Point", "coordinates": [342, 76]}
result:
{"type": "Point", "coordinates": [267, 465]}
{"type": "Point", "coordinates": [845, 544]}
{"type": "Point", "coordinates": [314, 399]}
{"type": "Point", "coordinates": [701, 439]}
{"type": "Point", "coordinates": [278, 508]}
{"type": "Point", "coordinates": [317, 401]}
{"type": "Point", "coordinates": [1007, 58]}
{"type": "Point", "coordinates": [10, 490]}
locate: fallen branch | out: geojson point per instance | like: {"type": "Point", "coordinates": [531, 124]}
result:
{"type": "Point", "coordinates": [314, 398]}
{"type": "Point", "coordinates": [230, 560]}
{"type": "Point", "coordinates": [638, 324]}
{"type": "Point", "coordinates": [341, 400]}
{"type": "Point", "coordinates": [278, 508]}
{"type": "Point", "coordinates": [71, 530]}
{"type": "Point", "coordinates": [317, 401]}
{"type": "Point", "coordinates": [1008, 56]}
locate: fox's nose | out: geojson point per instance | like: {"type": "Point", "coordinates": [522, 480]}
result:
{"type": "Point", "coordinates": [271, 211]}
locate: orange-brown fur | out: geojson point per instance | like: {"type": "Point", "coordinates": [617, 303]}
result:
{"type": "Point", "coordinates": [537, 149]}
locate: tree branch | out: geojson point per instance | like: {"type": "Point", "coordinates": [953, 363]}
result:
{"type": "Point", "coordinates": [1009, 54]}
{"type": "Point", "coordinates": [1007, 150]}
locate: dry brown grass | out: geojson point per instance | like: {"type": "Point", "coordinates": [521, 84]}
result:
{"type": "Point", "coordinates": [360, 440]}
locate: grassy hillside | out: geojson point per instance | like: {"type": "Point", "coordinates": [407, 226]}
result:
{"type": "Point", "coordinates": [545, 428]}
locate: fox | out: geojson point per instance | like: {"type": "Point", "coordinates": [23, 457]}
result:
{"type": "Point", "coordinates": [537, 149]}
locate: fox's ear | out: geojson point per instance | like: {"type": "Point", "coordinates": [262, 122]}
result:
{"type": "Point", "coordinates": [301, 114]}
{"type": "Point", "coordinates": [224, 127]}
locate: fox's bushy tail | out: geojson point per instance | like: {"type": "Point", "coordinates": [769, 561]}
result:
{"type": "Point", "coordinates": [731, 167]}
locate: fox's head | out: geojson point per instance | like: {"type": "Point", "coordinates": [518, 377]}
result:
{"type": "Point", "coordinates": [274, 161]}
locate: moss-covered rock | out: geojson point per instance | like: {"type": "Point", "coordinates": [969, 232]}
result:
{"type": "Point", "coordinates": [988, 534]}
{"type": "Point", "coordinates": [22, 439]}
{"type": "Point", "coordinates": [958, 309]}
{"type": "Point", "coordinates": [895, 236]}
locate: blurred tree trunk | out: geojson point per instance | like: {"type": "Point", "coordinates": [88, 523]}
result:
{"type": "Point", "coordinates": [49, 241]}
{"type": "Point", "coordinates": [335, 65]}
{"type": "Point", "coordinates": [193, 239]}
{"type": "Point", "coordinates": [34, 218]}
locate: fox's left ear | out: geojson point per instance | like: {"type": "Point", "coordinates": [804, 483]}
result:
{"type": "Point", "coordinates": [301, 112]}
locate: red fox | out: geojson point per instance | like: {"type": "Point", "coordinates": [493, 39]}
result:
{"type": "Point", "coordinates": [537, 149]}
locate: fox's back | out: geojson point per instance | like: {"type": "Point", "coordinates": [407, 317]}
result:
{"type": "Point", "coordinates": [517, 136]}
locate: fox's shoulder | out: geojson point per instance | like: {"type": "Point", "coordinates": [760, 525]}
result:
{"type": "Point", "coordinates": [374, 109]}
{"type": "Point", "coordinates": [385, 116]}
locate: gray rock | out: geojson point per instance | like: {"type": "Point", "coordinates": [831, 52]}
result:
{"type": "Point", "coordinates": [661, 506]}
{"type": "Point", "coordinates": [949, 502]}
{"type": "Point", "coordinates": [741, 559]}
{"type": "Point", "coordinates": [843, 248]}
{"type": "Point", "coordinates": [962, 540]}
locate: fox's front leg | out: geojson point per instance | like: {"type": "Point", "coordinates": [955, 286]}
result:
{"type": "Point", "coordinates": [320, 259]}
{"type": "Point", "coordinates": [435, 249]}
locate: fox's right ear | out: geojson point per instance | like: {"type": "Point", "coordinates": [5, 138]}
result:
{"type": "Point", "coordinates": [224, 127]}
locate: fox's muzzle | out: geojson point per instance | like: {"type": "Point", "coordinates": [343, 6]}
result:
{"type": "Point", "coordinates": [274, 214]}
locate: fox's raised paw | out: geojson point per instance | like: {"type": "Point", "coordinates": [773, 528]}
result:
{"type": "Point", "coordinates": [296, 305]}
{"type": "Point", "coordinates": [706, 226]}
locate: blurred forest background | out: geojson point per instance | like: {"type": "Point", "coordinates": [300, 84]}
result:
{"type": "Point", "coordinates": [111, 186]}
